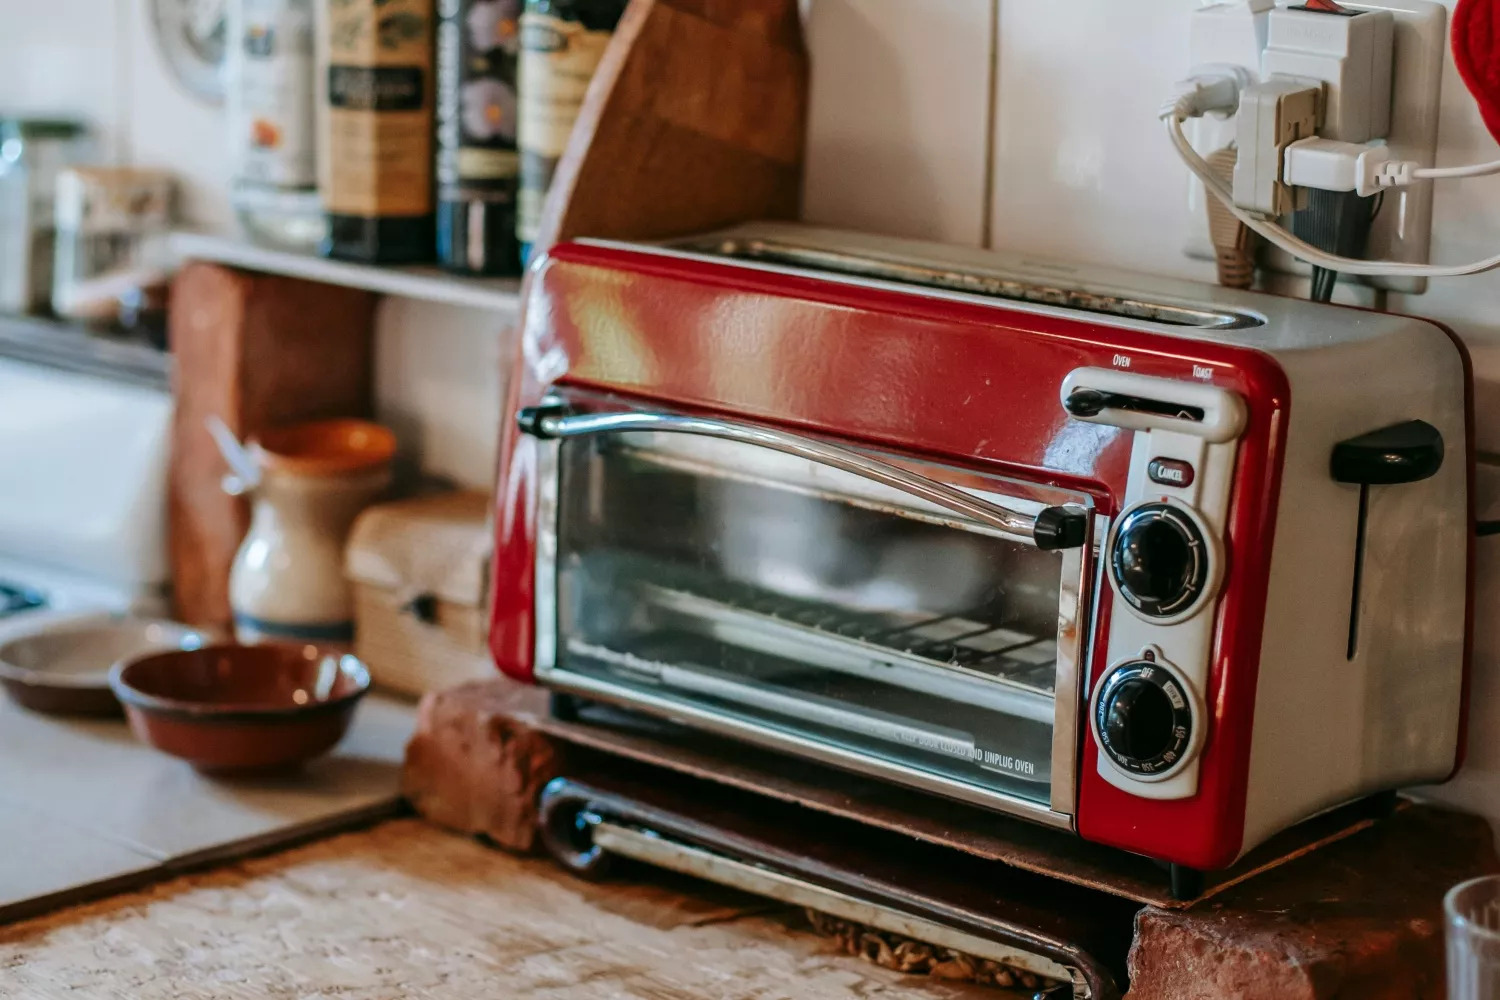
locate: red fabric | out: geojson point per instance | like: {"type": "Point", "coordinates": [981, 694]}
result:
{"type": "Point", "coordinates": [1476, 52]}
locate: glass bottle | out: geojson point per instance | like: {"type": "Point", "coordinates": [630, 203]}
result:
{"type": "Point", "coordinates": [562, 43]}
{"type": "Point", "coordinates": [33, 152]}
{"type": "Point", "coordinates": [477, 163]}
{"type": "Point", "coordinates": [375, 129]}
{"type": "Point", "coordinates": [269, 70]}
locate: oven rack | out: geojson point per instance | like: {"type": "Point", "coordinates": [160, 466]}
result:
{"type": "Point", "coordinates": [951, 656]}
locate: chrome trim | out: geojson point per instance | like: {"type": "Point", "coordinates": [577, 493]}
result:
{"type": "Point", "coordinates": [665, 852]}
{"type": "Point", "coordinates": [545, 579]}
{"type": "Point", "coordinates": [827, 753]}
{"type": "Point", "coordinates": [809, 708]}
{"type": "Point", "coordinates": [1072, 618]}
{"type": "Point", "coordinates": [989, 284]}
{"type": "Point", "coordinates": [573, 425]}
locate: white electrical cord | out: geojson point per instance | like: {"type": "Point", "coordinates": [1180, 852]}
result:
{"type": "Point", "coordinates": [1174, 114]}
{"type": "Point", "coordinates": [1474, 170]}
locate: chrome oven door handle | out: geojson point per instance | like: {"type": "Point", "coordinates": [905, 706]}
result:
{"type": "Point", "coordinates": [1050, 529]}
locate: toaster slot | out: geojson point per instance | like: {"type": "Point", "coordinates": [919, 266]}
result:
{"type": "Point", "coordinates": [974, 281]}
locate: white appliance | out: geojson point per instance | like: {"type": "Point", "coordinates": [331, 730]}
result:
{"type": "Point", "coordinates": [84, 441]}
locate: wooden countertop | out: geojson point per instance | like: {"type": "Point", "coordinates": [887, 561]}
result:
{"type": "Point", "coordinates": [404, 910]}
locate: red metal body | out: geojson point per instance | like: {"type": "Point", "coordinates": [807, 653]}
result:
{"type": "Point", "coordinates": [971, 384]}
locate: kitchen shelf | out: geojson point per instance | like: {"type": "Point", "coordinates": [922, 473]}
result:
{"type": "Point", "coordinates": [424, 283]}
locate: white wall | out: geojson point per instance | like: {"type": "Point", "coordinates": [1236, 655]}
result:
{"type": "Point", "coordinates": [916, 105]}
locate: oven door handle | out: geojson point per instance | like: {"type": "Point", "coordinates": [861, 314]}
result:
{"type": "Point", "coordinates": [1050, 528]}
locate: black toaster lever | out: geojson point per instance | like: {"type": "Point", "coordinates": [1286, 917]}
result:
{"type": "Point", "coordinates": [1092, 402]}
{"type": "Point", "coordinates": [1401, 453]}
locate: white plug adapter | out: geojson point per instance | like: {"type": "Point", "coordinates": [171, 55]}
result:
{"type": "Point", "coordinates": [1272, 116]}
{"type": "Point", "coordinates": [1350, 54]}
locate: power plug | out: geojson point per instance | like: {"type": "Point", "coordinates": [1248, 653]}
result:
{"type": "Point", "coordinates": [1272, 116]}
{"type": "Point", "coordinates": [1239, 33]}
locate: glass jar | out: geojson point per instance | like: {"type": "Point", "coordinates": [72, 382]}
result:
{"type": "Point", "coordinates": [33, 151]}
{"type": "Point", "coordinates": [112, 225]}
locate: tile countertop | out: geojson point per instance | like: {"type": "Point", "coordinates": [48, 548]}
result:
{"type": "Point", "coordinates": [85, 807]}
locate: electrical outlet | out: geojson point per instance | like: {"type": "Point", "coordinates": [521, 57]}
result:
{"type": "Point", "coordinates": [1403, 229]}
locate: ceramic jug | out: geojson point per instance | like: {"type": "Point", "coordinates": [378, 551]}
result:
{"type": "Point", "coordinates": [312, 480]}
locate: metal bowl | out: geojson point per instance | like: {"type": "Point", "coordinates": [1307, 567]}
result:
{"type": "Point", "coordinates": [62, 667]}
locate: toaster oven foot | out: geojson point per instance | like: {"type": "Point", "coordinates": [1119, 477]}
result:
{"type": "Point", "coordinates": [564, 707]}
{"type": "Point", "coordinates": [1187, 883]}
{"type": "Point", "coordinates": [1381, 805]}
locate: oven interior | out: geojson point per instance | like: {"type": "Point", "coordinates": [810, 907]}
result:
{"type": "Point", "coordinates": [812, 604]}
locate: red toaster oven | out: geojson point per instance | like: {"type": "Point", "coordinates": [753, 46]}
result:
{"type": "Point", "coordinates": [1167, 565]}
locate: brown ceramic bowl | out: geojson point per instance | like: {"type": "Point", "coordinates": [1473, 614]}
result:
{"type": "Point", "coordinates": [235, 708]}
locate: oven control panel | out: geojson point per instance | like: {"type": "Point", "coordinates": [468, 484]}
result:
{"type": "Point", "coordinates": [1164, 562]}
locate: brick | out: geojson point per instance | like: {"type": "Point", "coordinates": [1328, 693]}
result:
{"type": "Point", "coordinates": [476, 765]}
{"type": "Point", "coordinates": [1360, 919]}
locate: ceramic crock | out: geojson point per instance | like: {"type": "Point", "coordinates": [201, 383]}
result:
{"type": "Point", "coordinates": [287, 583]}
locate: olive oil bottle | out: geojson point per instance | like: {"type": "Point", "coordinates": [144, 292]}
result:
{"type": "Point", "coordinates": [562, 42]}
{"type": "Point", "coordinates": [375, 114]}
{"type": "Point", "coordinates": [477, 163]}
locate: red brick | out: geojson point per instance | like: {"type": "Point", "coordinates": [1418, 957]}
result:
{"type": "Point", "coordinates": [1360, 919]}
{"type": "Point", "coordinates": [475, 765]}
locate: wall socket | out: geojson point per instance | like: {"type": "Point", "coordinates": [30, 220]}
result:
{"type": "Point", "coordinates": [1403, 229]}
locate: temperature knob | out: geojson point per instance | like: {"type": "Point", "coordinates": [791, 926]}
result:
{"type": "Point", "coordinates": [1159, 560]}
{"type": "Point", "coordinates": [1143, 719]}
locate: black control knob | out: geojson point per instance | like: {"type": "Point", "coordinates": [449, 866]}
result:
{"type": "Point", "coordinates": [1143, 718]}
{"type": "Point", "coordinates": [1159, 560]}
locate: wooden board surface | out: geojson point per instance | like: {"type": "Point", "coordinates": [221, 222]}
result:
{"type": "Point", "coordinates": [405, 910]}
{"type": "Point", "coordinates": [695, 120]}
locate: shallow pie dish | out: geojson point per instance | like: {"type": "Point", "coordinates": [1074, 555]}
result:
{"type": "Point", "coordinates": [61, 667]}
{"type": "Point", "coordinates": [231, 708]}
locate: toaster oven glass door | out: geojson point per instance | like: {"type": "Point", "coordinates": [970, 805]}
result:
{"type": "Point", "coordinates": [811, 608]}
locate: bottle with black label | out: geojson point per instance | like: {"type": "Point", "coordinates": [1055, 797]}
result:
{"type": "Point", "coordinates": [562, 43]}
{"type": "Point", "coordinates": [477, 163]}
{"type": "Point", "coordinates": [375, 114]}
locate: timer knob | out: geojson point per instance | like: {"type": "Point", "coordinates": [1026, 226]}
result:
{"type": "Point", "coordinates": [1143, 718]}
{"type": "Point", "coordinates": [1159, 560]}
{"type": "Point", "coordinates": [1138, 720]}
